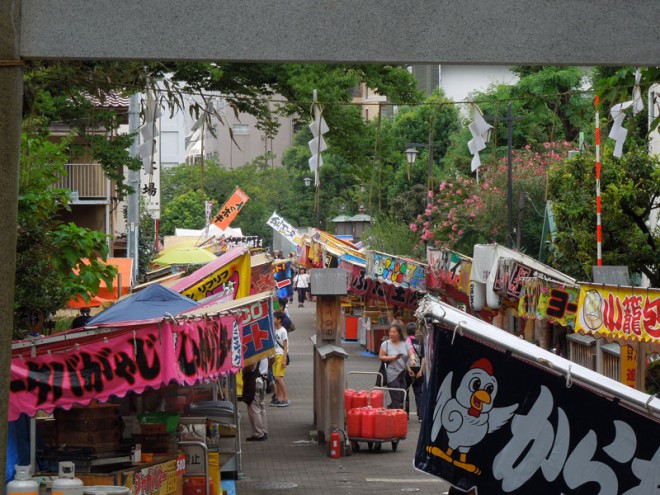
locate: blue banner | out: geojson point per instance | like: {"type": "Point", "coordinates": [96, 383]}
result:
{"type": "Point", "coordinates": [283, 276]}
{"type": "Point", "coordinates": [258, 341]}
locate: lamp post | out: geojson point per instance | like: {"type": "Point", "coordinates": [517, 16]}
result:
{"type": "Point", "coordinates": [411, 156]}
{"type": "Point", "coordinates": [307, 181]}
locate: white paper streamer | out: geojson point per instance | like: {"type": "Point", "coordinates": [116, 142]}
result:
{"type": "Point", "coordinates": [317, 145]}
{"type": "Point", "coordinates": [479, 129]}
{"type": "Point", "coordinates": [618, 113]}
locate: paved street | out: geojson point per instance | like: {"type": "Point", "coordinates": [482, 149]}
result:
{"type": "Point", "coordinates": [290, 463]}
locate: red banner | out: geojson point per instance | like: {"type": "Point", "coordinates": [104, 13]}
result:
{"type": "Point", "coordinates": [78, 370]}
{"type": "Point", "coordinates": [231, 208]}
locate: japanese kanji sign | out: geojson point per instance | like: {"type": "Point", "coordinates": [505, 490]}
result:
{"type": "Point", "coordinates": [77, 371]}
{"type": "Point", "coordinates": [487, 428]}
{"type": "Point", "coordinates": [283, 275]}
{"type": "Point", "coordinates": [621, 312]}
{"type": "Point", "coordinates": [448, 268]}
{"type": "Point", "coordinates": [375, 290]}
{"type": "Point", "coordinates": [231, 208]}
{"type": "Point", "coordinates": [258, 341]}
{"type": "Point", "coordinates": [284, 228]}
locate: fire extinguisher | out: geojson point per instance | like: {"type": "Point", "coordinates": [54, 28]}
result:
{"type": "Point", "coordinates": [335, 445]}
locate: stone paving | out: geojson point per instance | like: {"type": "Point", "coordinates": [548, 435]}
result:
{"type": "Point", "coordinates": [289, 462]}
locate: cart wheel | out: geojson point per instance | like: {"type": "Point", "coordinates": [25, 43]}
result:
{"type": "Point", "coordinates": [370, 446]}
{"type": "Point", "coordinates": [348, 449]}
{"type": "Point", "coordinates": [395, 445]}
{"type": "Point", "coordinates": [378, 447]}
{"type": "Point", "coordinates": [356, 447]}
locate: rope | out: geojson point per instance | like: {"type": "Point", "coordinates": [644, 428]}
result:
{"type": "Point", "coordinates": [12, 63]}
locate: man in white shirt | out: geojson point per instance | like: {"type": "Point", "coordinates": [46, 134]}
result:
{"type": "Point", "coordinates": [280, 363]}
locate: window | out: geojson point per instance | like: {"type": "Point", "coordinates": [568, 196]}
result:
{"type": "Point", "coordinates": [241, 129]}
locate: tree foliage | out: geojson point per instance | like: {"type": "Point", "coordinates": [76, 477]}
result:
{"type": "Point", "coordinates": [49, 267]}
{"type": "Point", "coordinates": [630, 188]}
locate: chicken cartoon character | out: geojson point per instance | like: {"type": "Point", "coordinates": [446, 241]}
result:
{"type": "Point", "coordinates": [469, 415]}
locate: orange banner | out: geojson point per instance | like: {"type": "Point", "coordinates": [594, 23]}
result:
{"type": "Point", "coordinates": [231, 208]}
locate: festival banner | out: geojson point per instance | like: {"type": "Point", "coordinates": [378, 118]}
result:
{"type": "Point", "coordinates": [77, 371]}
{"type": "Point", "coordinates": [497, 423]}
{"type": "Point", "coordinates": [283, 275]}
{"type": "Point", "coordinates": [398, 271]}
{"type": "Point", "coordinates": [258, 340]}
{"type": "Point", "coordinates": [284, 228]}
{"type": "Point", "coordinates": [509, 277]}
{"type": "Point", "coordinates": [232, 267]}
{"type": "Point", "coordinates": [231, 208]}
{"type": "Point", "coordinates": [623, 312]}
{"type": "Point", "coordinates": [393, 295]}
{"type": "Point", "coordinates": [448, 268]}
{"type": "Point", "coordinates": [262, 279]}
{"type": "Point", "coordinates": [545, 300]}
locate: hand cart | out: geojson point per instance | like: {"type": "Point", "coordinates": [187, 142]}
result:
{"type": "Point", "coordinates": [376, 444]}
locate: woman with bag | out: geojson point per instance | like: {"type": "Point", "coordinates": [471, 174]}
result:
{"type": "Point", "coordinates": [395, 353]}
{"type": "Point", "coordinates": [301, 284]}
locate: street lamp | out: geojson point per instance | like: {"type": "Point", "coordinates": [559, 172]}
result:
{"type": "Point", "coordinates": [411, 155]}
{"type": "Point", "coordinates": [307, 181]}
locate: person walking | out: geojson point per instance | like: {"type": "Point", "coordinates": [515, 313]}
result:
{"type": "Point", "coordinates": [395, 353]}
{"type": "Point", "coordinates": [280, 363]}
{"type": "Point", "coordinates": [416, 372]}
{"type": "Point", "coordinates": [301, 284]}
{"type": "Point", "coordinates": [254, 395]}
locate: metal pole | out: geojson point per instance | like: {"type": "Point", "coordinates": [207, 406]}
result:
{"type": "Point", "coordinates": [431, 158]}
{"type": "Point", "coordinates": [599, 226]}
{"type": "Point", "coordinates": [510, 173]}
{"type": "Point", "coordinates": [11, 107]}
{"type": "Point", "coordinates": [133, 201]}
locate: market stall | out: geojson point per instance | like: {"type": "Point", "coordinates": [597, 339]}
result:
{"type": "Point", "coordinates": [94, 390]}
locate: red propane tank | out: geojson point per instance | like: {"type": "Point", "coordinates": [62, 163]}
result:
{"type": "Point", "coordinates": [360, 399]}
{"type": "Point", "coordinates": [384, 424]}
{"type": "Point", "coordinates": [368, 422]}
{"type": "Point", "coordinates": [335, 445]}
{"type": "Point", "coordinates": [400, 426]}
{"type": "Point", "coordinates": [354, 422]}
{"type": "Point", "coordinates": [376, 399]}
{"type": "Point", "coordinates": [348, 399]}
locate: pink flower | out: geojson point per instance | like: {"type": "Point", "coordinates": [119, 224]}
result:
{"type": "Point", "coordinates": [413, 227]}
{"type": "Point", "coordinates": [443, 185]}
{"type": "Point", "coordinates": [472, 214]}
{"type": "Point", "coordinates": [460, 232]}
{"type": "Point", "coordinates": [454, 227]}
{"type": "Point", "coordinates": [450, 185]}
{"type": "Point", "coordinates": [459, 191]}
{"type": "Point", "coordinates": [430, 194]}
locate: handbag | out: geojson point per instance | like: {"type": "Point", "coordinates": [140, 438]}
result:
{"type": "Point", "coordinates": [288, 356]}
{"type": "Point", "coordinates": [382, 369]}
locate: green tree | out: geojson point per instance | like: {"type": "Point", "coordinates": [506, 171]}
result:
{"type": "Point", "coordinates": [392, 236]}
{"type": "Point", "coordinates": [49, 267]}
{"type": "Point", "coordinates": [186, 211]}
{"type": "Point", "coordinates": [630, 191]}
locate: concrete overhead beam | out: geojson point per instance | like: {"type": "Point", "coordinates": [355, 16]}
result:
{"type": "Point", "coordinates": [549, 32]}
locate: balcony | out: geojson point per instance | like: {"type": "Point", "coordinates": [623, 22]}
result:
{"type": "Point", "coordinates": [87, 182]}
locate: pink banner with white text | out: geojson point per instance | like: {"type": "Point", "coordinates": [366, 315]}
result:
{"type": "Point", "coordinates": [78, 370]}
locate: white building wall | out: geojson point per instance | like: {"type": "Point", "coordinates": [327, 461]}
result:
{"type": "Point", "coordinates": [457, 81]}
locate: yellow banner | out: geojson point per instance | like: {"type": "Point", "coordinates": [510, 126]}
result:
{"type": "Point", "coordinates": [620, 312]}
{"type": "Point", "coordinates": [238, 271]}
{"type": "Point", "coordinates": [628, 366]}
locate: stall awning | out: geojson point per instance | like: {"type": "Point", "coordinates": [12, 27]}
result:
{"type": "Point", "coordinates": [105, 294]}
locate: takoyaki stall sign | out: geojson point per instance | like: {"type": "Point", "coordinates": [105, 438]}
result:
{"type": "Point", "coordinates": [622, 312]}
{"type": "Point", "coordinates": [498, 423]}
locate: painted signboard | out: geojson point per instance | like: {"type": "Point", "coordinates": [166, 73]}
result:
{"type": "Point", "coordinates": [258, 341]}
{"type": "Point", "coordinates": [623, 312]}
{"type": "Point", "coordinates": [447, 268]}
{"type": "Point", "coordinates": [544, 300]}
{"type": "Point", "coordinates": [398, 271]}
{"type": "Point", "coordinates": [392, 295]}
{"type": "Point", "coordinates": [487, 428]}
{"type": "Point", "coordinates": [232, 267]}
{"type": "Point", "coordinates": [231, 208]}
{"type": "Point", "coordinates": [76, 372]}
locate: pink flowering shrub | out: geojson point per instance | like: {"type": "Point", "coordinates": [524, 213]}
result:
{"type": "Point", "coordinates": [461, 213]}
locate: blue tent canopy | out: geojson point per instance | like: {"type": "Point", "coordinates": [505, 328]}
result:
{"type": "Point", "coordinates": [153, 302]}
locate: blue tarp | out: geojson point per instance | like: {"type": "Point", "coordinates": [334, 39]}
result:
{"type": "Point", "coordinates": [153, 302]}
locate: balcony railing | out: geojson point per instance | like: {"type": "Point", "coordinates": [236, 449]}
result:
{"type": "Point", "coordinates": [85, 179]}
